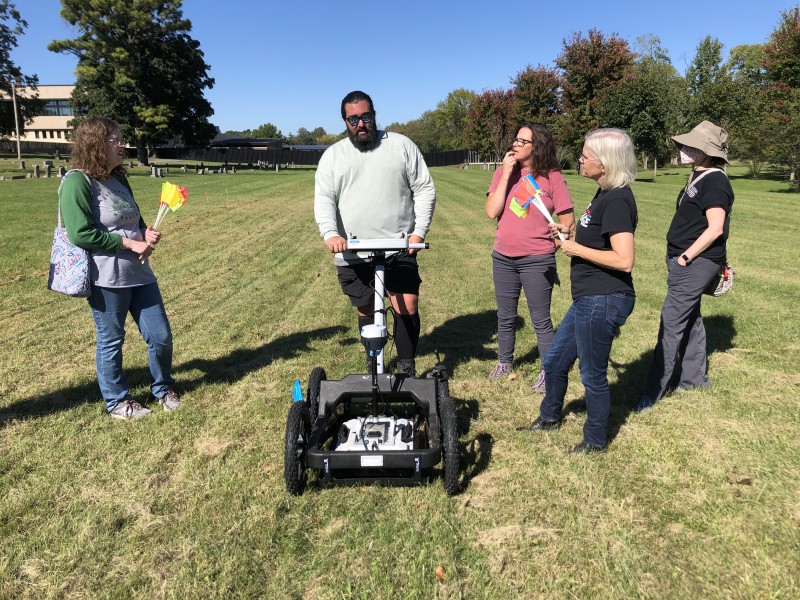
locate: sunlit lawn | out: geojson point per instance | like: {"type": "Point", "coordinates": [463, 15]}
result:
{"type": "Point", "coordinates": [698, 498]}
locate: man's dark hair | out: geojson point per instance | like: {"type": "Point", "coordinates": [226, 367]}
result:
{"type": "Point", "coordinates": [357, 96]}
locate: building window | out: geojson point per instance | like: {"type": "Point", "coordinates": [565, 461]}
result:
{"type": "Point", "coordinates": [58, 134]}
{"type": "Point", "coordinates": [57, 108]}
{"type": "Point", "coordinates": [36, 134]}
{"type": "Point", "coordinates": [52, 134]}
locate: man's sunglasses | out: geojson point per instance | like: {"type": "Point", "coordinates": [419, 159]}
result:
{"type": "Point", "coordinates": [365, 117]}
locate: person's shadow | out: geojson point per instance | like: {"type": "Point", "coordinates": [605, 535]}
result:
{"type": "Point", "coordinates": [456, 342]}
{"type": "Point", "coordinates": [231, 367]}
{"type": "Point", "coordinates": [627, 389]}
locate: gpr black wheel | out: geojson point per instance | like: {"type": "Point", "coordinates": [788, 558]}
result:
{"type": "Point", "coordinates": [443, 388]}
{"type": "Point", "coordinates": [448, 419]}
{"type": "Point", "coordinates": [312, 393]}
{"type": "Point", "coordinates": [298, 428]}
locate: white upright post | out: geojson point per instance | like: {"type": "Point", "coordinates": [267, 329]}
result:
{"type": "Point", "coordinates": [380, 314]}
{"type": "Point", "coordinates": [16, 118]}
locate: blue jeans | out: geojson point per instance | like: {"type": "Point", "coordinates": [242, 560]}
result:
{"type": "Point", "coordinates": [585, 333]}
{"type": "Point", "coordinates": [110, 308]}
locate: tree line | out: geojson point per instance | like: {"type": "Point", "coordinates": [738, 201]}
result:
{"type": "Point", "coordinates": [138, 64]}
{"type": "Point", "coordinates": [303, 137]}
{"type": "Point", "coordinates": [599, 81]}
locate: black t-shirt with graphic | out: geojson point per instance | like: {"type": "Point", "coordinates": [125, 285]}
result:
{"type": "Point", "coordinates": [610, 211]}
{"type": "Point", "coordinates": [690, 220]}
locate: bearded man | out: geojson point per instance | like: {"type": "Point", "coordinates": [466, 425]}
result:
{"type": "Point", "coordinates": [375, 185]}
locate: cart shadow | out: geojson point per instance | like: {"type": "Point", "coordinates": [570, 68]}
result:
{"type": "Point", "coordinates": [474, 457]}
{"type": "Point", "coordinates": [628, 387]}
{"type": "Point", "coordinates": [224, 369]}
{"type": "Point", "coordinates": [474, 454]}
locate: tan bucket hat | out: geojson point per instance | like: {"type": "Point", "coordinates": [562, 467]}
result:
{"type": "Point", "coordinates": [706, 137]}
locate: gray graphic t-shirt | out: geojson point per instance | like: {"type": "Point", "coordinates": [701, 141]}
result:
{"type": "Point", "coordinates": [115, 211]}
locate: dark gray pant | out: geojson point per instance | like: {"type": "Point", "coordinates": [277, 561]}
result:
{"type": "Point", "coordinates": [681, 332]}
{"type": "Point", "coordinates": [536, 275]}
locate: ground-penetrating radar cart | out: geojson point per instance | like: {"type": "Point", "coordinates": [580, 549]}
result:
{"type": "Point", "coordinates": [377, 427]}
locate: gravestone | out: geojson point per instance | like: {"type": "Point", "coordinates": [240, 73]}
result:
{"type": "Point", "coordinates": [36, 171]}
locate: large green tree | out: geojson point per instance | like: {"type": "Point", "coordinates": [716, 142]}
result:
{"type": "Point", "coordinates": [781, 125]}
{"type": "Point", "coordinates": [648, 104]}
{"type": "Point", "coordinates": [750, 89]}
{"type": "Point", "coordinates": [450, 119]}
{"type": "Point", "coordinates": [423, 131]}
{"type": "Point", "coordinates": [138, 64]}
{"type": "Point", "coordinates": [267, 130]}
{"type": "Point", "coordinates": [710, 86]}
{"type": "Point", "coordinates": [304, 137]}
{"type": "Point", "coordinates": [491, 123]}
{"type": "Point", "coordinates": [590, 66]}
{"type": "Point", "coordinates": [13, 25]}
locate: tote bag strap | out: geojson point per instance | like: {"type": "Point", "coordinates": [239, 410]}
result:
{"type": "Point", "coordinates": [60, 185]}
{"type": "Point", "coordinates": [698, 178]}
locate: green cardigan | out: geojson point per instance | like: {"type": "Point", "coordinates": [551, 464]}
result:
{"type": "Point", "coordinates": [76, 211]}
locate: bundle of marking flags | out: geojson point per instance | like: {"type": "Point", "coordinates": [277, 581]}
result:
{"type": "Point", "coordinates": [172, 198]}
{"type": "Point", "coordinates": [528, 188]}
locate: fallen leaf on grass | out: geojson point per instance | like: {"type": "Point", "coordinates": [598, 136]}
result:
{"type": "Point", "coordinates": [440, 574]}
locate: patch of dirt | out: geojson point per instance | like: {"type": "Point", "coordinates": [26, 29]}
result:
{"type": "Point", "coordinates": [212, 446]}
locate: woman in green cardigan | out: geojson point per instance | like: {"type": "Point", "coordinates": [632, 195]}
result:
{"type": "Point", "coordinates": [101, 215]}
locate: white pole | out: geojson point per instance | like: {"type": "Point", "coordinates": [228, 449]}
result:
{"type": "Point", "coordinates": [16, 118]}
{"type": "Point", "coordinates": [379, 309]}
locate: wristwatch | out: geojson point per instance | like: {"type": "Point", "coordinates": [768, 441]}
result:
{"type": "Point", "coordinates": [686, 259]}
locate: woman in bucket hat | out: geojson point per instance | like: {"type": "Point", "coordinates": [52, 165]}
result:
{"type": "Point", "coordinates": [696, 253]}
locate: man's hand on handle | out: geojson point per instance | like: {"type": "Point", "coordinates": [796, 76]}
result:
{"type": "Point", "coordinates": [336, 244]}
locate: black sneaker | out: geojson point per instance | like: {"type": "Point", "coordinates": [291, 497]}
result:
{"type": "Point", "coordinates": [540, 424]}
{"type": "Point", "coordinates": [587, 448]}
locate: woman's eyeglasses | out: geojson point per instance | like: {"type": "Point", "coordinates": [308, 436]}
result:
{"type": "Point", "coordinates": [583, 159]}
{"type": "Point", "coordinates": [116, 141]}
{"type": "Point", "coordinates": [364, 117]}
{"type": "Point", "coordinates": [521, 142]}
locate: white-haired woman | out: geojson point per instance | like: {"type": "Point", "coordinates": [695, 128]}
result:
{"type": "Point", "coordinates": [602, 250]}
{"type": "Point", "coordinates": [696, 252]}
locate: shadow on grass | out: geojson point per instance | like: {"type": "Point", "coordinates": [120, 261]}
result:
{"type": "Point", "coordinates": [626, 390]}
{"type": "Point", "coordinates": [462, 339]}
{"type": "Point", "coordinates": [229, 368]}
{"type": "Point", "coordinates": [474, 457]}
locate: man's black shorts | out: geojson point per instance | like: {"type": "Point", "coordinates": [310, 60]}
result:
{"type": "Point", "coordinates": [401, 277]}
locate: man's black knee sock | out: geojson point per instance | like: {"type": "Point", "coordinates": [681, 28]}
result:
{"type": "Point", "coordinates": [406, 336]}
{"type": "Point", "coordinates": [362, 321]}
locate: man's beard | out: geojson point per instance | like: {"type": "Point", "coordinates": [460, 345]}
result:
{"type": "Point", "coordinates": [363, 143]}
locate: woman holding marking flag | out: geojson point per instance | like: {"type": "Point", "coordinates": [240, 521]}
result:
{"type": "Point", "coordinates": [602, 251]}
{"type": "Point", "coordinates": [101, 215]}
{"type": "Point", "coordinates": [524, 192]}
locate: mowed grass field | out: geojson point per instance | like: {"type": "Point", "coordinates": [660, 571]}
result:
{"type": "Point", "coordinates": [697, 498]}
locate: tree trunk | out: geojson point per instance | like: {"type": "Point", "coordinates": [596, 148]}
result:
{"type": "Point", "coordinates": [141, 152]}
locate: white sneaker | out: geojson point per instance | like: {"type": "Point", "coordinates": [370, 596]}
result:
{"type": "Point", "coordinates": [128, 408]}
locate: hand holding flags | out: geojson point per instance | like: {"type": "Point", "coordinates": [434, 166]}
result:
{"type": "Point", "coordinates": [172, 197]}
{"type": "Point", "coordinates": [528, 188]}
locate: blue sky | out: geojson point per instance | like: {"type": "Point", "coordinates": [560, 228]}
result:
{"type": "Point", "coordinates": [290, 62]}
